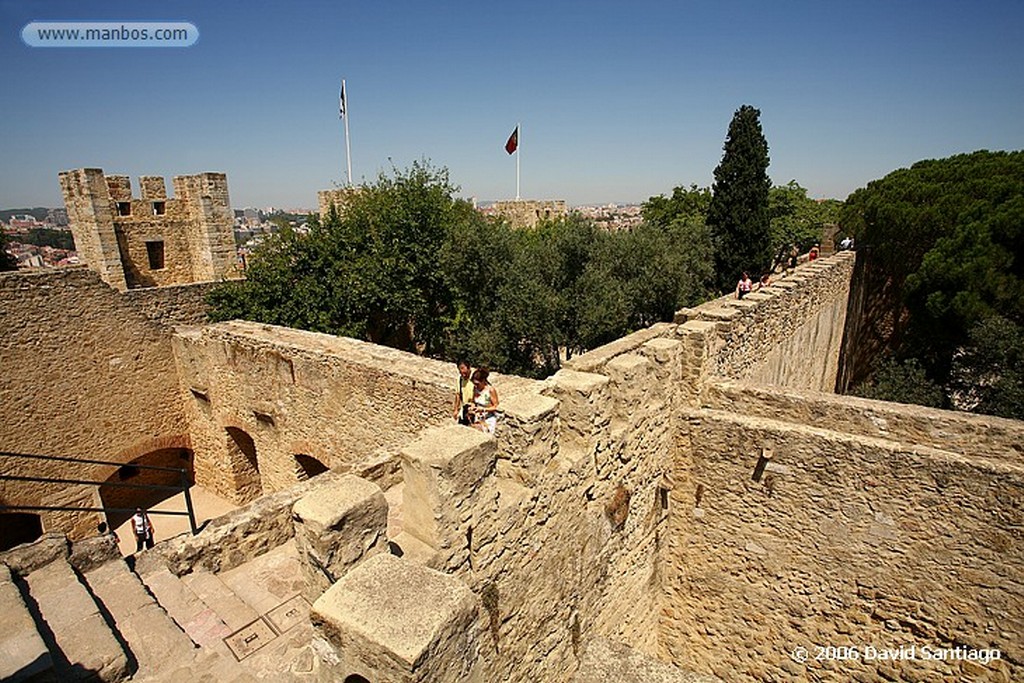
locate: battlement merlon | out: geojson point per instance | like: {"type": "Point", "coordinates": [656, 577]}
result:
{"type": "Point", "coordinates": [90, 208]}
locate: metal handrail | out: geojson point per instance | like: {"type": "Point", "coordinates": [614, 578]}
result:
{"type": "Point", "coordinates": [183, 486]}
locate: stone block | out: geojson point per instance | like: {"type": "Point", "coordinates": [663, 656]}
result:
{"type": "Point", "coordinates": [391, 620]}
{"type": "Point", "coordinates": [441, 469]}
{"type": "Point", "coordinates": [23, 655]}
{"type": "Point", "coordinates": [528, 438]}
{"type": "Point", "coordinates": [336, 527]}
{"type": "Point", "coordinates": [585, 411]}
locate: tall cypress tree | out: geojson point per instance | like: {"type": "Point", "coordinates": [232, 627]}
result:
{"type": "Point", "coordinates": [738, 217]}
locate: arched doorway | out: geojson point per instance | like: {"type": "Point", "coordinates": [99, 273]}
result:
{"type": "Point", "coordinates": [355, 678]}
{"type": "Point", "coordinates": [19, 527]}
{"type": "Point", "coordinates": [245, 466]}
{"type": "Point", "coordinates": [113, 495]}
{"type": "Point", "coordinates": [307, 467]}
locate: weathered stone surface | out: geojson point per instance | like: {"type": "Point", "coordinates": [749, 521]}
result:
{"type": "Point", "coordinates": [604, 660]}
{"type": "Point", "coordinates": [28, 557]}
{"type": "Point", "coordinates": [441, 467]}
{"type": "Point", "coordinates": [336, 527]}
{"type": "Point", "coordinates": [72, 616]}
{"type": "Point", "coordinates": [23, 654]}
{"type": "Point", "coordinates": [391, 620]}
{"type": "Point", "coordinates": [93, 552]}
{"type": "Point", "coordinates": [155, 640]}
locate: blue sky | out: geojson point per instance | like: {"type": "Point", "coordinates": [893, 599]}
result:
{"type": "Point", "coordinates": [618, 100]}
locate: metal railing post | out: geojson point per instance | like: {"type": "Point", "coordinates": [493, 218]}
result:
{"type": "Point", "coordinates": [188, 502]}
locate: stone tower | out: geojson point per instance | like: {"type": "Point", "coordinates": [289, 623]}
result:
{"type": "Point", "coordinates": [153, 240]}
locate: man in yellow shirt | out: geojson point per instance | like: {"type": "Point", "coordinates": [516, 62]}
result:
{"type": "Point", "coordinates": [464, 394]}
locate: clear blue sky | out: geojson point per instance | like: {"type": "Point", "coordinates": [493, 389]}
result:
{"type": "Point", "coordinates": [618, 100]}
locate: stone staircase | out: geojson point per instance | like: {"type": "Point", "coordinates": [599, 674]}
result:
{"type": "Point", "coordinates": [67, 616]}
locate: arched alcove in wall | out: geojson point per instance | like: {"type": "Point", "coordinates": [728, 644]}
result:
{"type": "Point", "coordinates": [306, 466]}
{"type": "Point", "coordinates": [244, 463]}
{"type": "Point", "coordinates": [19, 527]}
{"type": "Point", "coordinates": [114, 495]}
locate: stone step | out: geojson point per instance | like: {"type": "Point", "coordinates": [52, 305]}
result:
{"type": "Point", "coordinates": [79, 638]}
{"type": "Point", "coordinates": [231, 609]}
{"type": "Point", "coordinates": [23, 654]}
{"type": "Point", "coordinates": [195, 617]}
{"type": "Point", "coordinates": [152, 636]}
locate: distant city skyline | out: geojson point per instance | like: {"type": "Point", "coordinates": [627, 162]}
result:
{"type": "Point", "coordinates": [617, 102]}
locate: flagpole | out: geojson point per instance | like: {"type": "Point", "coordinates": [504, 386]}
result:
{"type": "Point", "coordinates": [348, 149]}
{"type": "Point", "coordinates": [519, 153]}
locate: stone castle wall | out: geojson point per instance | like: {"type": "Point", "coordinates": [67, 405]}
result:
{"type": "Point", "coordinates": [527, 213]}
{"type": "Point", "coordinates": [84, 375]}
{"type": "Point", "coordinates": [787, 334]}
{"type": "Point", "coordinates": [620, 499]}
{"type": "Point", "coordinates": [338, 197]}
{"type": "Point", "coordinates": [846, 541]}
{"type": "Point", "coordinates": [151, 240]}
{"type": "Point", "coordinates": [173, 305]}
{"type": "Point", "coordinates": [339, 401]}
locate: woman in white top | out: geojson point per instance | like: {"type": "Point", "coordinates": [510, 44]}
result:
{"type": "Point", "coordinates": [485, 402]}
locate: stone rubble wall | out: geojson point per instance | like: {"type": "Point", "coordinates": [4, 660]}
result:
{"type": "Point", "coordinates": [978, 436]}
{"type": "Point", "coordinates": [788, 334]}
{"type": "Point", "coordinates": [341, 401]}
{"type": "Point", "coordinates": [558, 524]}
{"type": "Point", "coordinates": [845, 540]}
{"type": "Point", "coordinates": [84, 375]}
{"type": "Point", "coordinates": [173, 305]}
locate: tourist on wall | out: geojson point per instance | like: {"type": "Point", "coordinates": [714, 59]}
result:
{"type": "Point", "coordinates": [484, 410]}
{"type": "Point", "coordinates": [463, 393]}
{"type": "Point", "coordinates": [765, 280]}
{"type": "Point", "coordinates": [744, 286]}
{"type": "Point", "coordinates": [815, 250]}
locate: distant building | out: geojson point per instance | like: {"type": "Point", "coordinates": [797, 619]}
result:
{"type": "Point", "coordinates": [24, 222]}
{"type": "Point", "coordinates": [58, 217]}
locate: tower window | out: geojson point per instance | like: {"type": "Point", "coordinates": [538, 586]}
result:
{"type": "Point", "coordinates": [155, 252]}
{"type": "Point", "coordinates": [159, 208]}
{"type": "Point", "coordinates": [124, 208]}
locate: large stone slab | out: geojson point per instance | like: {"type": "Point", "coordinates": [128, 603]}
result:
{"type": "Point", "coordinates": [441, 468]}
{"type": "Point", "coordinates": [76, 623]}
{"type": "Point", "coordinates": [391, 620]}
{"type": "Point", "coordinates": [23, 654]}
{"type": "Point", "coordinates": [336, 527]}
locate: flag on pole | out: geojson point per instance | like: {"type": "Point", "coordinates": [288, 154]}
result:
{"type": "Point", "coordinates": [342, 104]}
{"type": "Point", "coordinates": [513, 142]}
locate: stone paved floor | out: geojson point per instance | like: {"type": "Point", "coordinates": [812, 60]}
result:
{"type": "Point", "coordinates": [277, 645]}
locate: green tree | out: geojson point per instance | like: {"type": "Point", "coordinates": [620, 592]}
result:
{"type": "Point", "coordinates": [944, 240]}
{"type": "Point", "coordinates": [903, 382]}
{"type": "Point", "coordinates": [685, 202]}
{"type": "Point", "coordinates": [988, 372]}
{"type": "Point", "coordinates": [796, 219]}
{"type": "Point", "coordinates": [738, 213]}
{"type": "Point", "coordinates": [374, 273]}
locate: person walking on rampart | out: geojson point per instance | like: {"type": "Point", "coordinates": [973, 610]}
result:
{"type": "Point", "coordinates": [463, 393]}
{"type": "Point", "coordinates": [143, 529]}
{"type": "Point", "coordinates": [744, 286]}
{"type": "Point", "coordinates": [484, 410]}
